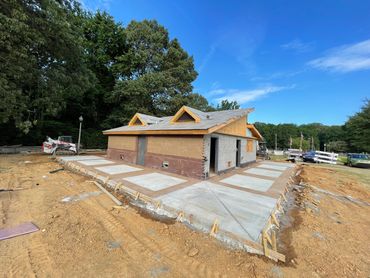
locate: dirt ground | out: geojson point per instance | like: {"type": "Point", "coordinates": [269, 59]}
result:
{"type": "Point", "coordinates": [325, 234]}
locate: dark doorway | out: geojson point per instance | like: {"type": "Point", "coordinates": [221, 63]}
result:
{"type": "Point", "coordinates": [238, 153]}
{"type": "Point", "coordinates": [141, 150]}
{"type": "Point", "coordinates": [213, 155]}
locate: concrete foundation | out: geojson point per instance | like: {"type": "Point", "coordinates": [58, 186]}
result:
{"type": "Point", "coordinates": [95, 162]}
{"type": "Point", "coordinates": [240, 203]}
{"type": "Point", "coordinates": [249, 182]}
{"type": "Point", "coordinates": [154, 181]}
{"type": "Point", "coordinates": [263, 172]}
{"type": "Point", "coordinates": [117, 169]}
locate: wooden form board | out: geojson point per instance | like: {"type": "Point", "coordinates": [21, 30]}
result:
{"type": "Point", "coordinates": [236, 128]}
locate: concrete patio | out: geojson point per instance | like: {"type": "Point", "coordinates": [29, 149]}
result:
{"type": "Point", "coordinates": [235, 207]}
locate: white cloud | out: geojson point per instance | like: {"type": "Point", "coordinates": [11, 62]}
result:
{"type": "Point", "coordinates": [244, 96]}
{"type": "Point", "coordinates": [207, 58]}
{"type": "Point", "coordinates": [298, 46]}
{"type": "Point", "coordinates": [95, 5]}
{"type": "Point", "coordinates": [345, 58]}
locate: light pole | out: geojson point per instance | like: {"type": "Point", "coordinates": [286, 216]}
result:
{"type": "Point", "coordinates": [79, 135]}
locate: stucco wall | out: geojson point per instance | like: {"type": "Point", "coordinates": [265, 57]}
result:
{"type": "Point", "coordinates": [227, 152]}
{"type": "Point", "coordinates": [122, 142]}
{"type": "Point", "coordinates": [183, 146]}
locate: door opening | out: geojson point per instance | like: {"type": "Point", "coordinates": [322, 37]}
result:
{"type": "Point", "coordinates": [238, 153]}
{"type": "Point", "coordinates": [213, 155]}
{"type": "Point", "coordinates": [141, 150]}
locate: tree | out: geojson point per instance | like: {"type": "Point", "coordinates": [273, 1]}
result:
{"type": "Point", "coordinates": [153, 75]}
{"type": "Point", "coordinates": [228, 105]}
{"type": "Point", "coordinates": [42, 63]}
{"type": "Point", "coordinates": [337, 146]}
{"type": "Point", "coordinates": [104, 41]}
{"type": "Point", "coordinates": [357, 129]}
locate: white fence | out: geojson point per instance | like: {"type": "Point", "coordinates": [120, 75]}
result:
{"type": "Point", "coordinates": [326, 157]}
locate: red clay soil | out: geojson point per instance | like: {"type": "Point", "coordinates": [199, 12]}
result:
{"type": "Point", "coordinates": [327, 237]}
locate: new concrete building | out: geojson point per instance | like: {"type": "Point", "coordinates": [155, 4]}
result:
{"type": "Point", "coordinates": [190, 143]}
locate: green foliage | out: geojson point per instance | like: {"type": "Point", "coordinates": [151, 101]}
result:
{"type": "Point", "coordinates": [154, 75]}
{"type": "Point", "coordinates": [42, 63]}
{"type": "Point", "coordinates": [358, 129]}
{"type": "Point", "coordinates": [321, 135]}
{"type": "Point", "coordinates": [58, 62]}
{"type": "Point", "coordinates": [337, 146]}
{"type": "Point", "coordinates": [228, 105]}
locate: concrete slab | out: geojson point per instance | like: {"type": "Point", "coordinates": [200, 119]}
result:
{"type": "Point", "coordinates": [154, 181]}
{"type": "Point", "coordinates": [248, 182]}
{"type": "Point", "coordinates": [239, 212]}
{"type": "Point", "coordinates": [78, 157]}
{"type": "Point", "coordinates": [117, 169]}
{"type": "Point", "coordinates": [263, 172]}
{"type": "Point", "coordinates": [95, 162]}
{"type": "Point", "coordinates": [273, 167]}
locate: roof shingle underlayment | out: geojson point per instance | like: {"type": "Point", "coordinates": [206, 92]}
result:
{"type": "Point", "coordinates": [207, 120]}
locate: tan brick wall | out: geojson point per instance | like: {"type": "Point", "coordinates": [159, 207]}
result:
{"type": "Point", "coordinates": [122, 142]}
{"type": "Point", "coordinates": [237, 128]}
{"type": "Point", "coordinates": [184, 146]}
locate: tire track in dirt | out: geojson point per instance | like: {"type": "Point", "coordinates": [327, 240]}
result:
{"type": "Point", "coordinates": [141, 258]}
{"type": "Point", "coordinates": [31, 254]}
{"type": "Point", "coordinates": [19, 265]}
{"type": "Point", "coordinates": [148, 246]}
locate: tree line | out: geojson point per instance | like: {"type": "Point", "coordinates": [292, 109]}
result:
{"type": "Point", "coordinates": [353, 136]}
{"type": "Point", "coordinates": [59, 61]}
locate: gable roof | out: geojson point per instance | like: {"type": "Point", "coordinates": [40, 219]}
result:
{"type": "Point", "coordinates": [255, 132]}
{"type": "Point", "coordinates": [208, 122]}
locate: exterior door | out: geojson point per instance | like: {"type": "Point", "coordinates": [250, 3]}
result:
{"type": "Point", "coordinates": [238, 153]}
{"type": "Point", "coordinates": [141, 150]}
{"type": "Point", "coordinates": [213, 155]}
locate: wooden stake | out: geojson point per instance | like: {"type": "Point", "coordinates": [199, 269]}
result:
{"type": "Point", "coordinates": [215, 227]}
{"type": "Point", "coordinates": [273, 239]}
{"type": "Point", "coordinates": [284, 197]}
{"type": "Point", "coordinates": [275, 220]}
{"type": "Point", "coordinates": [106, 180]}
{"type": "Point", "coordinates": [264, 244]}
{"type": "Point", "coordinates": [267, 237]}
{"type": "Point", "coordinates": [180, 216]}
{"type": "Point", "coordinates": [137, 196]}
{"type": "Point", "coordinates": [158, 204]}
{"type": "Point", "coordinates": [118, 185]}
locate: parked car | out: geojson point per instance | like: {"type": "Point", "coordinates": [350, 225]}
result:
{"type": "Point", "coordinates": [309, 157]}
{"type": "Point", "coordinates": [294, 155]}
{"type": "Point", "coordinates": [358, 160]}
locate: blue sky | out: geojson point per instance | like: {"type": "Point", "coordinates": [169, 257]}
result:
{"type": "Point", "coordinates": [293, 61]}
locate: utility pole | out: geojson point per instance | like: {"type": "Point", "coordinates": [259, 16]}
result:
{"type": "Point", "coordinates": [313, 144]}
{"type": "Point", "coordinates": [290, 142]}
{"type": "Point", "coordinates": [79, 135]}
{"type": "Point", "coordinates": [300, 144]}
{"type": "Point", "coordinates": [275, 141]}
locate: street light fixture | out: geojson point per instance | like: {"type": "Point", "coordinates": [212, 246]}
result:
{"type": "Point", "coordinates": [79, 134]}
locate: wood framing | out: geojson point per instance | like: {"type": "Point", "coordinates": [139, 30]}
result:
{"type": "Point", "coordinates": [236, 127]}
{"type": "Point", "coordinates": [254, 131]}
{"type": "Point", "coordinates": [181, 112]}
{"type": "Point", "coordinates": [136, 118]}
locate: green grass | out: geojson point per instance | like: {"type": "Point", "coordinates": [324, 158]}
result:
{"type": "Point", "coordinates": [278, 157]}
